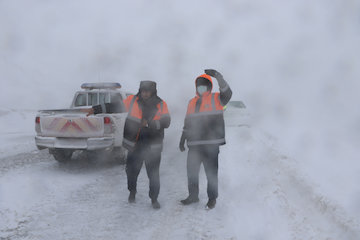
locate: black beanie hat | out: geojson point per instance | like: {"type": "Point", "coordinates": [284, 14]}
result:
{"type": "Point", "coordinates": [148, 86]}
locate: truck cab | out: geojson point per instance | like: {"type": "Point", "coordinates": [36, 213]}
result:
{"type": "Point", "coordinates": [95, 94]}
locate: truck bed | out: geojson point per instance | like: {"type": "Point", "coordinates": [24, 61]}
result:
{"type": "Point", "coordinates": [71, 124]}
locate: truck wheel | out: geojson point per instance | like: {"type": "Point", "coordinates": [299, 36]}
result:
{"type": "Point", "coordinates": [61, 155]}
{"type": "Point", "coordinates": [119, 154]}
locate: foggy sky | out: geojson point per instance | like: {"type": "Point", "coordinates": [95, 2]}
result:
{"type": "Point", "coordinates": [294, 64]}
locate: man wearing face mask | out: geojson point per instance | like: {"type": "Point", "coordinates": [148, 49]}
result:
{"type": "Point", "coordinates": [204, 131]}
{"type": "Point", "coordinates": [147, 118]}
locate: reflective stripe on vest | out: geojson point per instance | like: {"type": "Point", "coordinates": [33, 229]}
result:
{"type": "Point", "coordinates": [127, 143]}
{"type": "Point", "coordinates": [131, 143]}
{"type": "Point", "coordinates": [193, 117]}
{"type": "Point", "coordinates": [138, 120]}
{"type": "Point", "coordinates": [212, 112]}
{"type": "Point", "coordinates": [199, 114]}
{"type": "Point", "coordinates": [205, 142]}
{"type": "Point", "coordinates": [132, 102]}
{"type": "Point", "coordinates": [192, 105]}
{"type": "Point", "coordinates": [156, 147]}
{"type": "Point", "coordinates": [158, 114]}
{"type": "Point", "coordinates": [130, 110]}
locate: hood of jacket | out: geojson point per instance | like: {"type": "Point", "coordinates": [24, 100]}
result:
{"type": "Point", "coordinates": [204, 78]}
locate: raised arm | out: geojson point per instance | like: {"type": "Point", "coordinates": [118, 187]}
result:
{"type": "Point", "coordinates": [225, 91]}
{"type": "Point", "coordinates": [117, 106]}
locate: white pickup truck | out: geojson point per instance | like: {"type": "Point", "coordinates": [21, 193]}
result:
{"type": "Point", "coordinates": [64, 131]}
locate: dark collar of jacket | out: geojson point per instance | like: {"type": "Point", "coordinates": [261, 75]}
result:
{"type": "Point", "coordinates": [149, 107]}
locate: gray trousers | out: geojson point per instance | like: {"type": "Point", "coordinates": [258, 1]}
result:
{"type": "Point", "coordinates": [208, 155]}
{"type": "Point", "coordinates": [134, 162]}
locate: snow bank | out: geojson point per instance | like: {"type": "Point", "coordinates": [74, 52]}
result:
{"type": "Point", "coordinates": [17, 131]}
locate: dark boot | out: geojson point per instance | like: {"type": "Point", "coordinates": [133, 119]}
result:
{"type": "Point", "coordinates": [131, 198]}
{"type": "Point", "coordinates": [211, 204]}
{"type": "Point", "coordinates": [155, 204]}
{"type": "Point", "coordinates": [189, 200]}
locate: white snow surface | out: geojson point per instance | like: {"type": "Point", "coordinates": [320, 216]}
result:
{"type": "Point", "coordinates": [262, 196]}
{"type": "Point", "coordinates": [293, 63]}
{"type": "Point", "coordinates": [17, 131]}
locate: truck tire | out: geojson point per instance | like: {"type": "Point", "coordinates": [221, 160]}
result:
{"type": "Point", "coordinates": [119, 154]}
{"type": "Point", "coordinates": [61, 155]}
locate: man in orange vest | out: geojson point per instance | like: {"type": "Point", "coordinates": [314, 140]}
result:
{"type": "Point", "coordinates": [204, 131]}
{"type": "Point", "coordinates": [143, 137]}
{"type": "Point", "coordinates": [147, 118]}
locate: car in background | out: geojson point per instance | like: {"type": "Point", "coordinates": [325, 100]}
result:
{"type": "Point", "coordinates": [236, 114]}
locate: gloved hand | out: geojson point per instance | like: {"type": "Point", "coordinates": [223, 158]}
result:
{"type": "Point", "coordinates": [155, 124]}
{"type": "Point", "coordinates": [182, 147]}
{"type": "Point", "coordinates": [213, 73]}
{"type": "Point", "coordinates": [88, 111]}
{"type": "Point", "coordinates": [182, 143]}
{"type": "Point", "coordinates": [144, 123]}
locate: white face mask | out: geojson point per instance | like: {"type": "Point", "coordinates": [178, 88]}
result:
{"type": "Point", "coordinates": [201, 89]}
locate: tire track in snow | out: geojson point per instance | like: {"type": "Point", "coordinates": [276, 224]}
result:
{"type": "Point", "coordinates": [86, 212]}
{"type": "Point", "coordinates": [174, 217]}
{"type": "Point", "coordinates": [43, 215]}
{"type": "Point", "coordinates": [13, 222]}
{"type": "Point", "coordinates": [22, 160]}
{"type": "Point", "coordinates": [312, 214]}
{"type": "Point", "coordinates": [177, 221]}
{"type": "Point", "coordinates": [98, 209]}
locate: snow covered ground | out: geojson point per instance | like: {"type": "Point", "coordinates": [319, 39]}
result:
{"type": "Point", "coordinates": [263, 195]}
{"type": "Point", "coordinates": [17, 131]}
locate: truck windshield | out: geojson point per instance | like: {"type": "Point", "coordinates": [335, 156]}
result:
{"type": "Point", "coordinates": [87, 99]}
{"type": "Point", "coordinates": [104, 98]}
{"type": "Point", "coordinates": [117, 105]}
{"type": "Point", "coordinates": [95, 98]}
{"type": "Point", "coordinates": [81, 100]}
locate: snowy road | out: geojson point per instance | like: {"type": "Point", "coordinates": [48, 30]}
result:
{"type": "Point", "coordinates": [43, 200]}
{"type": "Point", "coordinates": [262, 196]}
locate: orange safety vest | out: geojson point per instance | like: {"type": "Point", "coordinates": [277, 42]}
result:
{"type": "Point", "coordinates": [206, 126]}
{"type": "Point", "coordinates": [133, 123]}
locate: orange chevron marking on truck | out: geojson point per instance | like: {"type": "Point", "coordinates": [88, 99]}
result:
{"type": "Point", "coordinates": [69, 124]}
{"type": "Point", "coordinates": [92, 127]}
